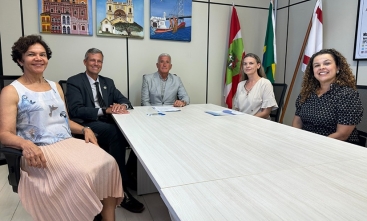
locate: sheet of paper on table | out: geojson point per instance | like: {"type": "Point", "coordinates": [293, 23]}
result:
{"type": "Point", "coordinates": [225, 112]}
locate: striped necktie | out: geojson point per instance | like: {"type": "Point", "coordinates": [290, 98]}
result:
{"type": "Point", "coordinates": [99, 96]}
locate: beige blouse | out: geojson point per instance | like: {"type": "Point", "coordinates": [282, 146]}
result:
{"type": "Point", "coordinates": [261, 96]}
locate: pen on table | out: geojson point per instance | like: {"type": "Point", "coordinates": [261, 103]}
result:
{"type": "Point", "coordinates": [150, 114]}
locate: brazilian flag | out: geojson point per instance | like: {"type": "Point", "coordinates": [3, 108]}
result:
{"type": "Point", "coordinates": [270, 57]}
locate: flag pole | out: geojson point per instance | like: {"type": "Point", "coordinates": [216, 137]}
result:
{"type": "Point", "coordinates": [275, 3]}
{"type": "Point", "coordinates": [296, 71]}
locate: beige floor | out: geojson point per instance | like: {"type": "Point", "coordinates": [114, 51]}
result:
{"type": "Point", "coordinates": [11, 209]}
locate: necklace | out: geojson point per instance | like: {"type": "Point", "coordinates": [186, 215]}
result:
{"type": "Point", "coordinates": [248, 90]}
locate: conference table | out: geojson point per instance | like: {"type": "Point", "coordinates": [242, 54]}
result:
{"type": "Point", "coordinates": [241, 167]}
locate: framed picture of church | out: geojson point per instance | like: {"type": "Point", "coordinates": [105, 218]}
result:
{"type": "Point", "coordinates": [170, 20]}
{"type": "Point", "coordinates": [72, 17]}
{"type": "Point", "coordinates": [120, 18]}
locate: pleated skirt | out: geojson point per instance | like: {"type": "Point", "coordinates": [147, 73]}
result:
{"type": "Point", "coordinates": [78, 176]}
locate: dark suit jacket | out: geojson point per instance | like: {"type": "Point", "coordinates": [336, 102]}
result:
{"type": "Point", "coordinates": [80, 97]}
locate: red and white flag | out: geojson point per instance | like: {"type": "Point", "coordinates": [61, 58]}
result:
{"type": "Point", "coordinates": [314, 43]}
{"type": "Point", "coordinates": [234, 59]}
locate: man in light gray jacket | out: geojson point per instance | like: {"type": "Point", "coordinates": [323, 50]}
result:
{"type": "Point", "coordinates": [162, 87]}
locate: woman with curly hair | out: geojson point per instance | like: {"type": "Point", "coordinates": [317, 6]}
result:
{"type": "Point", "coordinates": [255, 95]}
{"type": "Point", "coordinates": [329, 103]}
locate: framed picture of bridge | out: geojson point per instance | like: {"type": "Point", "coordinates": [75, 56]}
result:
{"type": "Point", "coordinates": [170, 20]}
{"type": "Point", "coordinates": [120, 18]}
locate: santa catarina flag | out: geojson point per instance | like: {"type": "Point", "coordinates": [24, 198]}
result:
{"type": "Point", "coordinates": [269, 56]}
{"type": "Point", "coordinates": [234, 59]}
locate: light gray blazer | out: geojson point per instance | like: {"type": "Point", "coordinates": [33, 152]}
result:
{"type": "Point", "coordinates": [151, 90]}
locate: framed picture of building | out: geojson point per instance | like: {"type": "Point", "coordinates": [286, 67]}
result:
{"type": "Point", "coordinates": [120, 18]}
{"type": "Point", "coordinates": [360, 41]}
{"type": "Point", "coordinates": [170, 19]}
{"type": "Point", "coordinates": [72, 17]}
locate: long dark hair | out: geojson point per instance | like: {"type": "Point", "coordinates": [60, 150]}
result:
{"type": "Point", "coordinates": [260, 71]}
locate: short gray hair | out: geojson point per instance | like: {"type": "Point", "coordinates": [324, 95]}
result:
{"type": "Point", "coordinates": [164, 55]}
{"type": "Point", "coordinates": [92, 51]}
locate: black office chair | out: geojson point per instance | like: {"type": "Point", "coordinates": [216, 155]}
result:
{"type": "Point", "coordinates": [279, 92]}
{"type": "Point", "coordinates": [362, 127]}
{"type": "Point", "coordinates": [77, 120]}
{"type": "Point", "coordinates": [63, 85]}
{"type": "Point", "coordinates": [12, 156]}
{"type": "Point", "coordinates": [2, 159]}
{"type": "Point", "coordinates": [4, 81]}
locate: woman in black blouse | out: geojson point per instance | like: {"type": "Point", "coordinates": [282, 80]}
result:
{"type": "Point", "coordinates": [329, 103]}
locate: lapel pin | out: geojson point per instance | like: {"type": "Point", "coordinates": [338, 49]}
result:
{"type": "Point", "coordinates": [104, 87]}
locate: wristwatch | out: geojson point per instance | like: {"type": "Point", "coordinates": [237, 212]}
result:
{"type": "Point", "coordinates": [126, 105]}
{"type": "Point", "coordinates": [83, 130]}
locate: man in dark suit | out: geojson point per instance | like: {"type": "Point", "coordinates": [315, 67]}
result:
{"type": "Point", "coordinates": [93, 98]}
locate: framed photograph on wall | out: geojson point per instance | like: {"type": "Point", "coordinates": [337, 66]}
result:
{"type": "Point", "coordinates": [120, 18]}
{"type": "Point", "coordinates": [170, 20]}
{"type": "Point", "coordinates": [65, 17]}
{"type": "Point", "coordinates": [360, 42]}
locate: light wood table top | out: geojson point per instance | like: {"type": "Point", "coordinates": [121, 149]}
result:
{"type": "Point", "coordinates": [335, 191]}
{"type": "Point", "coordinates": [200, 156]}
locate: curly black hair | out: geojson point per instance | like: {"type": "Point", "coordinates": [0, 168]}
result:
{"type": "Point", "coordinates": [345, 76]}
{"type": "Point", "coordinates": [21, 46]}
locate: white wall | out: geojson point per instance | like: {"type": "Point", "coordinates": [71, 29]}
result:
{"type": "Point", "coordinates": [190, 60]}
{"type": "Point", "coordinates": [200, 62]}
